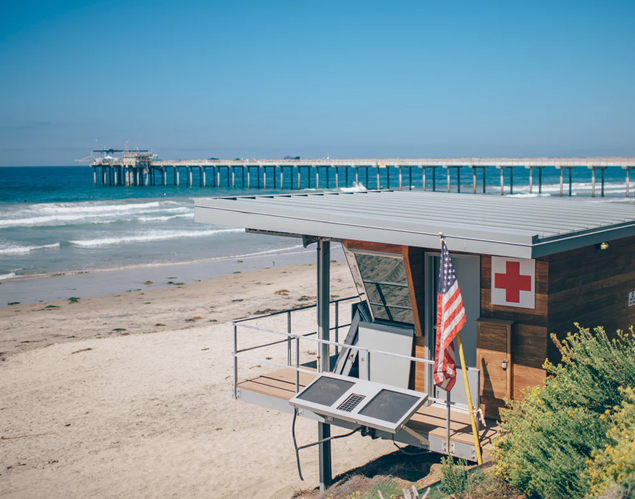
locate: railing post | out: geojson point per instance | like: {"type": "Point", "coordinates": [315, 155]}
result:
{"type": "Point", "coordinates": [289, 338]}
{"type": "Point", "coordinates": [337, 327]}
{"type": "Point", "coordinates": [234, 390]}
{"type": "Point", "coordinates": [297, 364]}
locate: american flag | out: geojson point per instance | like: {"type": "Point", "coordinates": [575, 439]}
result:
{"type": "Point", "coordinates": [450, 320]}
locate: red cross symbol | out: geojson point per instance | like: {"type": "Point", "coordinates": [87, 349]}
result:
{"type": "Point", "coordinates": [512, 282]}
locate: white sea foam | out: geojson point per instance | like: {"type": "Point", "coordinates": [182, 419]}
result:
{"type": "Point", "coordinates": [7, 276]}
{"type": "Point", "coordinates": [162, 218]}
{"type": "Point", "coordinates": [357, 187]}
{"type": "Point", "coordinates": [151, 236]}
{"type": "Point", "coordinates": [14, 249]}
{"type": "Point", "coordinates": [102, 216]}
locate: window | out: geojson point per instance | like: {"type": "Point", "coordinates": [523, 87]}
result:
{"type": "Point", "coordinates": [381, 277]}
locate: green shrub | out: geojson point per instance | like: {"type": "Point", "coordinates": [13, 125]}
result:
{"type": "Point", "coordinates": [548, 437]}
{"type": "Point", "coordinates": [613, 469]}
{"type": "Point", "coordinates": [454, 476]}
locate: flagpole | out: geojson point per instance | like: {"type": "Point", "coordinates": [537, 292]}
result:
{"type": "Point", "coordinates": [477, 445]}
{"type": "Point", "coordinates": [448, 413]}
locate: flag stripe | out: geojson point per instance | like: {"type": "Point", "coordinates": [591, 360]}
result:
{"type": "Point", "coordinates": [450, 319]}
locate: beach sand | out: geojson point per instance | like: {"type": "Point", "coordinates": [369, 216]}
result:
{"type": "Point", "coordinates": [130, 395]}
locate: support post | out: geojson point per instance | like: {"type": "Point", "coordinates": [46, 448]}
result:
{"type": "Point", "coordinates": [485, 180]}
{"type": "Point", "coordinates": [95, 175]}
{"type": "Point", "coordinates": [165, 175]}
{"type": "Point", "coordinates": [540, 180]}
{"type": "Point", "coordinates": [317, 177]}
{"type": "Point", "coordinates": [400, 178]}
{"type": "Point", "coordinates": [511, 179]}
{"type": "Point", "coordinates": [205, 176]}
{"type": "Point", "coordinates": [410, 178]}
{"type": "Point", "coordinates": [561, 175]}
{"type": "Point", "coordinates": [447, 171]}
{"type": "Point", "coordinates": [531, 180]}
{"type": "Point", "coordinates": [248, 176]}
{"type": "Point", "coordinates": [423, 171]}
{"type": "Point", "coordinates": [323, 296]}
{"type": "Point", "coordinates": [592, 182]}
{"type": "Point", "coordinates": [434, 178]}
{"type": "Point", "coordinates": [337, 177]}
{"type": "Point", "coordinates": [233, 177]}
{"type": "Point", "coordinates": [602, 180]}
{"type": "Point", "coordinates": [299, 176]}
{"type": "Point", "coordinates": [570, 180]}
{"type": "Point", "coordinates": [265, 175]}
{"type": "Point", "coordinates": [502, 180]}
{"type": "Point", "coordinates": [628, 182]}
{"type": "Point", "coordinates": [474, 180]}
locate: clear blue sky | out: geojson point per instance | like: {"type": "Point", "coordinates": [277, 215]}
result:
{"type": "Point", "coordinates": [342, 78]}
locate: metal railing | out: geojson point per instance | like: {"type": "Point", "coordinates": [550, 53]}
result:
{"type": "Point", "coordinates": [290, 338]}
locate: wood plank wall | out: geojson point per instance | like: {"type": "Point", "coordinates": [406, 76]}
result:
{"type": "Point", "coordinates": [590, 286]}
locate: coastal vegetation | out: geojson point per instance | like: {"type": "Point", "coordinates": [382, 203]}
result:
{"type": "Point", "coordinates": [573, 437]}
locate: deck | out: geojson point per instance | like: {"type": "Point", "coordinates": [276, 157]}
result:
{"type": "Point", "coordinates": [274, 389]}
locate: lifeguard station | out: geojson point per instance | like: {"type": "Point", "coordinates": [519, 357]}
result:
{"type": "Point", "coordinates": [526, 268]}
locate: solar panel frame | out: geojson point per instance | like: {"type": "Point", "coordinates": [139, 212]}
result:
{"type": "Point", "coordinates": [370, 391]}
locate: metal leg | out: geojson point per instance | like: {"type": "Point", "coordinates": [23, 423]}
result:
{"type": "Point", "coordinates": [323, 296]}
{"type": "Point", "coordinates": [592, 182]}
{"type": "Point", "coordinates": [570, 180]}
{"type": "Point", "coordinates": [561, 181]}
{"type": "Point", "coordinates": [502, 181]}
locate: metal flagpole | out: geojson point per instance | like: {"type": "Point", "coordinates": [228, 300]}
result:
{"type": "Point", "coordinates": [448, 414]}
{"type": "Point", "coordinates": [477, 444]}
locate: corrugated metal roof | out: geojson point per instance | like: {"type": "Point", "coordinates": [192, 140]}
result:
{"type": "Point", "coordinates": [504, 226]}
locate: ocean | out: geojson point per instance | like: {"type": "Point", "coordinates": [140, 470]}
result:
{"type": "Point", "coordinates": [55, 221]}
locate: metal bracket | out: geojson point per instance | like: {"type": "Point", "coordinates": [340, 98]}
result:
{"type": "Point", "coordinates": [306, 240]}
{"type": "Point", "coordinates": [237, 393]}
{"type": "Point", "coordinates": [452, 448]}
{"type": "Point", "coordinates": [420, 438]}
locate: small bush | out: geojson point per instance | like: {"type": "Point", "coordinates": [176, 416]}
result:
{"type": "Point", "coordinates": [613, 469]}
{"type": "Point", "coordinates": [548, 437]}
{"type": "Point", "coordinates": [454, 476]}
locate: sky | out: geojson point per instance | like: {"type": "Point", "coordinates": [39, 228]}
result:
{"type": "Point", "coordinates": [266, 79]}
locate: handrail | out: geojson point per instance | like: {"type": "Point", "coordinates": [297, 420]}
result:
{"type": "Point", "coordinates": [290, 338]}
{"type": "Point", "coordinates": [335, 343]}
{"type": "Point", "coordinates": [280, 312]}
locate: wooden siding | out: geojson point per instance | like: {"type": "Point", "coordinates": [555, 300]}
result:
{"type": "Point", "coordinates": [590, 286]}
{"type": "Point", "coordinates": [529, 332]}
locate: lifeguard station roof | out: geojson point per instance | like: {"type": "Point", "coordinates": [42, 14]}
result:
{"type": "Point", "coordinates": [480, 224]}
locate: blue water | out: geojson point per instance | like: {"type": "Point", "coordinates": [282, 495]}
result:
{"type": "Point", "coordinates": [55, 220]}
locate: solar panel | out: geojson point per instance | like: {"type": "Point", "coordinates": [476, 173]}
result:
{"type": "Point", "coordinates": [358, 401]}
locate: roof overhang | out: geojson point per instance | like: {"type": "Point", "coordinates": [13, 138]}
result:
{"type": "Point", "coordinates": [512, 227]}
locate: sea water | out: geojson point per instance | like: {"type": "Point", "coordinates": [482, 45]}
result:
{"type": "Point", "coordinates": [55, 220]}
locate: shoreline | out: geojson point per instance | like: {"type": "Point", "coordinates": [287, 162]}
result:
{"type": "Point", "coordinates": [107, 282]}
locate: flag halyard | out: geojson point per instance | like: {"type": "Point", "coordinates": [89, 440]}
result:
{"type": "Point", "coordinates": [450, 320]}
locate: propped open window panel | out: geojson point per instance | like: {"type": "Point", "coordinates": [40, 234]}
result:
{"type": "Point", "coordinates": [365, 403]}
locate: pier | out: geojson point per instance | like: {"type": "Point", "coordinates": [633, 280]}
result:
{"type": "Point", "coordinates": [140, 168]}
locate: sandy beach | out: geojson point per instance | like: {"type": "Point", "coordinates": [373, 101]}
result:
{"type": "Point", "coordinates": [129, 395]}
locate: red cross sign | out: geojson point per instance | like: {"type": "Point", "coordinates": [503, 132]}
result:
{"type": "Point", "coordinates": [513, 282]}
